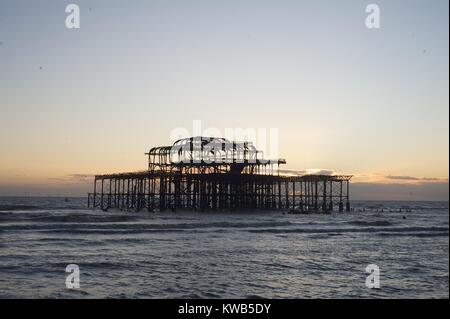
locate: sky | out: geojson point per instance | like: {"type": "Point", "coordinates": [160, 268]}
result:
{"type": "Point", "coordinates": [373, 103]}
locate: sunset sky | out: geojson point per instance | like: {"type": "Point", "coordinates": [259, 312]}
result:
{"type": "Point", "coordinates": [345, 98]}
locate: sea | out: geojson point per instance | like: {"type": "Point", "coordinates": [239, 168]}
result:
{"type": "Point", "coordinates": [380, 249]}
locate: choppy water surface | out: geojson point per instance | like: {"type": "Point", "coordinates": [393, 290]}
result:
{"type": "Point", "coordinates": [222, 255]}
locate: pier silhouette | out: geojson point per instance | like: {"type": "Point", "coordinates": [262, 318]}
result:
{"type": "Point", "coordinates": [209, 173]}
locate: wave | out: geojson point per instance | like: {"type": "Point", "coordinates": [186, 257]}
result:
{"type": "Point", "coordinates": [139, 226]}
{"type": "Point", "coordinates": [414, 234]}
{"type": "Point", "coordinates": [33, 207]}
{"type": "Point", "coordinates": [44, 217]}
{"type": "Point", "coordinates": [108, 232]}
{"type": "Point", "coordinates": [382, 223]}
{"type": "Point", "coordinates": [18, 207]}
{"type": "Point", "coordinates": [272, 227]}
{"type": "Point", "coordinates": [351, 230]}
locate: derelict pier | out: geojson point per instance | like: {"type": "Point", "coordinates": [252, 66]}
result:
{"type": "Point", "coordinates": [207, 173]}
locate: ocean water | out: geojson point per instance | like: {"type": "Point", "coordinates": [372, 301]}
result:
{"type": "Point", "coordinates": [222, 255]}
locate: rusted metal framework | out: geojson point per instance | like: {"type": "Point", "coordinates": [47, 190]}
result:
{"type": "Point", "coordinates": [206, 173]}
